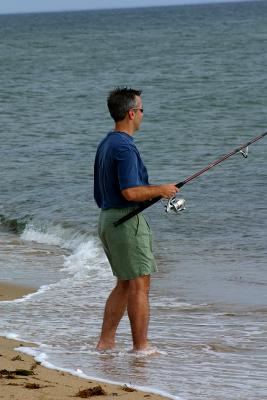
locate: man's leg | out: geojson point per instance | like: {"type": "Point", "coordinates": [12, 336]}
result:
{"type": "Point", "coordinates": [115, 307]}
{"type": "Point", "coordinates": [138, 311]}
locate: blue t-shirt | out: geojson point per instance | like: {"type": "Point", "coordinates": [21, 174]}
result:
{"type": "Point", "coordinates": [118, 166]}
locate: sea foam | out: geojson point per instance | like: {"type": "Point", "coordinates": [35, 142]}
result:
{"type": "Point", "coordinates": [84, 252]}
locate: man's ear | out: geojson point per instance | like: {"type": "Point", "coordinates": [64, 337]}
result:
{"type": "Point", "coordinates": [131, 114]}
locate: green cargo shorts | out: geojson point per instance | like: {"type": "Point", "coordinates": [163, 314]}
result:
{"type": "Point", "coordinates": [128, 246]}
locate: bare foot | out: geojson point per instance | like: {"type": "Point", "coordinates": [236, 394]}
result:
{"type": "Point", "coordinates": [101, 346]}
{"type": "Point", "coordinates": [147, 351]}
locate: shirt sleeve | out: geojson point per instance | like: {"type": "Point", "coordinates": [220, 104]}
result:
{"type": "Point", "coordinates": [128, 169]}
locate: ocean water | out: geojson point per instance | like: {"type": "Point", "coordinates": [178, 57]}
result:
{"type": "Point", "coordinates": [202, 70]}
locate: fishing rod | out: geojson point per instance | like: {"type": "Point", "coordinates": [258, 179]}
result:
{"type": "Point", "coordinates": [178, 205]}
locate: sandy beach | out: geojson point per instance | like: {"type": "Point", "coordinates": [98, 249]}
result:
{"type": "Point", "coordinates": [22, 378]}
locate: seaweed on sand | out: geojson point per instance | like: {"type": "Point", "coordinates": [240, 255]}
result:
{"type": "Point", "coordinates": [32, 386]}
{"type": "Point", "coordinates": [128, 389]}
{"type": "Point", "coordinates": [94, 391]}
{"type": "Point", "coordinates": [4, 373]}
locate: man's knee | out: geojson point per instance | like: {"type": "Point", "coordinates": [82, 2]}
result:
{"type": "Point", "coordinates": [140, 284]}
{"type": "Point", "coordinates": [122, 284]}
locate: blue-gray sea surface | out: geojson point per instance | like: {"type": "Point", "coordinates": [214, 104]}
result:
{"type": "Point", "coordinates": [202, 70]}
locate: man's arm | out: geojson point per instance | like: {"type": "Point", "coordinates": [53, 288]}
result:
{"type": "Point", "coordinates": [143, 193]}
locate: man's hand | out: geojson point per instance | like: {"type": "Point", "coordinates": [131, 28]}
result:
{"type": "Point", "coordinates": [168, 191]}
{"type": "Point", "coordinates": [143, 193]}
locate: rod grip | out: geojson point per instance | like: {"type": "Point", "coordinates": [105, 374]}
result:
{"type": "Point", "coordinates": [180, 184]}
{"type": "Point", "coordinates": [131, 214]}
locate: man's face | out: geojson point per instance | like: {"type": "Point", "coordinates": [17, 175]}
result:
{"type": "Point", "coordinates": [138, 110]}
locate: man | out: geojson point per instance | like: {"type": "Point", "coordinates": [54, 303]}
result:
{"type": "Point", "coordinates": [121, 183]}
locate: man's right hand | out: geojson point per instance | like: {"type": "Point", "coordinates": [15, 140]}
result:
{"type": "Point", "coordinates": [143, 193]}
{"type": "Point", "coordinates": [169, 190]}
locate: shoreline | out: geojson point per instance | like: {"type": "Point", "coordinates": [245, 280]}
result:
{"type": "Point", "coordinates": [11, 291]}
{"type": "Point", "coordinates": [24, 378]}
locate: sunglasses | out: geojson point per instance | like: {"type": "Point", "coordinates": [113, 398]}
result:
{"type": "Point", "coordinates": [141, 109]}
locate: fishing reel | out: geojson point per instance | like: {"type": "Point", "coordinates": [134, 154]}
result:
{"type": "Point", "coordinates": [174, 205]}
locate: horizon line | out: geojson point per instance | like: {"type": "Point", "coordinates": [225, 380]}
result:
{"type": "Point", "coordinates": [194, 3]}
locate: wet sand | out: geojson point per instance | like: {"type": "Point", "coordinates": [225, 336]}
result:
{"type": "Point", "coordinates": [9, 291]}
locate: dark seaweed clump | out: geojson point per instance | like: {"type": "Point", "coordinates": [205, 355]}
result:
{"type": "Point", "coordinates": [94, 391]}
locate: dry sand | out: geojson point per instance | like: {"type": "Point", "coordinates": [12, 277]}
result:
{"type": "Point", "coordinates": [21, 378]}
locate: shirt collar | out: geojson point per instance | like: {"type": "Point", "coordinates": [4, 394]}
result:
{"type": "Point", "coordinates": [123, 134]}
